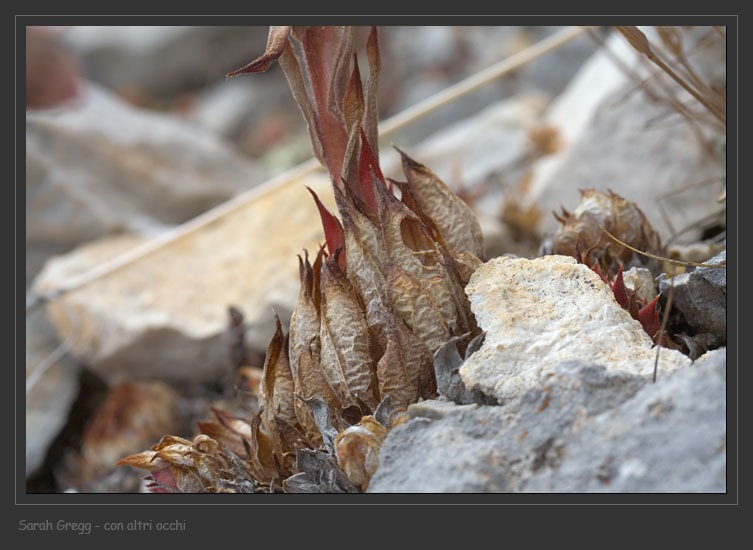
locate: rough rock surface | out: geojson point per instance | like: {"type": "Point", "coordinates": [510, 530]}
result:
{"type": "Point", "coordinates": [101, 166]}
{"type": "Point", "coordinates": [538, 313]}
{"type": "Point", "coordinates": [165, 315]}
{"type": "Point", "coordinates": [583, 428]}
{"type": "Point", "coordinates": [670, 437]}
{"type": "Point", "coordinates": [701, 296]}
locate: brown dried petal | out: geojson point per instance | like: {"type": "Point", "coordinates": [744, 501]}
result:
{"type": "Point", "coordinates": [456, 222]}
{"type": "Point", "coordinates": [345, 349]}
{"type": "Point", "coordinates": [405, 370]}
{"type": "Point", "coordinates": [277, 382]}
{"type": "Point", "coordinates": [407, 241]}
{"type": "Point", "coordinates": [413, 304]}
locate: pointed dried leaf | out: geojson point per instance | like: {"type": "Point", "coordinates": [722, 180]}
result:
{"type": "Point", "coordinates": [407, 241]}
{"type": "Point", "coordinates": [333, 230]}
{"type": "Point", "coordinates": [319, 474]}
{"type": "Point", "coordinates": [456, 222]}
{"type": "Point", "coordinates": [321, 414]}
{"type": "Point", "coordinates": [277, 382]}
{"type": "Point", "coordinates": [649, 318]}
{"type": "Point", "coordinates": [414, 305]}
{"type": "Point", "coordinates": [277, 41]}
{"type": "Point", "coordinates": [179, 465]}
{"type": "Point", "coordinates": [619, 290]}
{"type": "Point", "coordinates": [322, 51]}
{"type": "Point", "coordinates": [341, 74]}
{"type": "Point", "coordinates": [369, 173]}
{"type": "Point", "coordinates": [371, 116]}
{"type": "Point", "coordinates": [353, 102]}
{"type": "Point", "coordinates": [293, 73]}
{"type": "Point", "coordinates": [228, 430]}
{"type": "Point", "coordinates": [345, 344]}
{"type": "Point", "coordinates": [581, 235]}
{"type": "Point", "coordinates": [304, 323]}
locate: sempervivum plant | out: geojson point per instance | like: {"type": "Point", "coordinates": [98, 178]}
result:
{"type": "Point", "coordinates": [383, 294]}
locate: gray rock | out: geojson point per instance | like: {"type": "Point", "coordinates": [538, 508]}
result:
{"type": "Point", "coordinates": [582, 429]}
{"type": "Point", "coordinates": [492, 448]}
{"type": "Point", "coordinates": [670, 437]}
{"type": "Point", "coordinates": [701, 296]}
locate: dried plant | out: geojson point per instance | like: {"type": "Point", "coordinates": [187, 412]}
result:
{"type": "Point", "coordinates": [581, 234]}
{"type": "Point", "coordinates": [372, 309]}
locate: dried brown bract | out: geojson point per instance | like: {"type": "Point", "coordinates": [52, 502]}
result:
{"type": "Point", "coordinates": [199, 466]}
{"type": "Point", "coordinates": [581, 235]}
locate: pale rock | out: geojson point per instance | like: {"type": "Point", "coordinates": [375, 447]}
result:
{"type": "Point", "coordinates": [539, 313]}
{"type": "Point", "coordinates": [640, 280]}
{"type": "Point", "coordinates": [614, 136]}
{"type": "Point", "coordinates": [165, 315]}
{"type": "Point", "coordinates": [100, 166]}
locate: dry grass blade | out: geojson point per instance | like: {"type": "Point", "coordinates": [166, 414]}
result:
{"type": "Point", "coordinates": [662, 258]}
{"type": "Point", "coordinates": [639, 41]}
{"type": "Point", "coordinates": [663, 327]}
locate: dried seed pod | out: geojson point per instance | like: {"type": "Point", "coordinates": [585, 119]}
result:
{"type": "Point", "coordinates": [357, 450]}
{"type": "Point", "coordinates": [581, 232]}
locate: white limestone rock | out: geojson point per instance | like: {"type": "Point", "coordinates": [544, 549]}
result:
{"type": "Point", "coordinates": [539, 313]}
